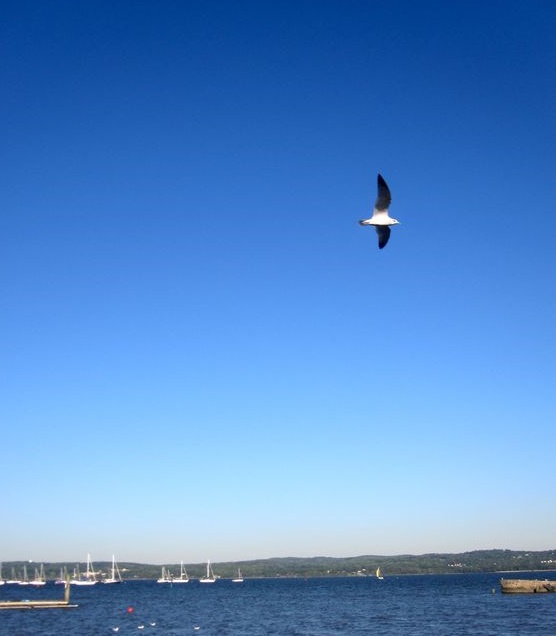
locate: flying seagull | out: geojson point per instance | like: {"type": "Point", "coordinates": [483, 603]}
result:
{"type": "Point", "coordinates": [381, 219]}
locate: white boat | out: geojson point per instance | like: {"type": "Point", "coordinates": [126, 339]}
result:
{"type": "Point", "coordinates": [115, 576]}
{"type": "Point", "coordinates": [209, 577]}
{"type": "Point", "coordinates": [184, 578]}
{"type": "Point", "coordinates": [239, 578]}
{"type": "Point", "coordinates": [1, 579]}
{"type": "Point", "coordinates": [379, 574]}
{"type": "Point", "coordinates": [61, 580]}
{"type": "Point", "coordinates": [14, 580]}
{"type": "Point", "coordinates": [88, 579]}
{"type": "Point", "coordinates": [25, 579]}
{"type": "Point", "coordinates": [39, 579]}
{"type": "Point", "coordinates": [165, 577]}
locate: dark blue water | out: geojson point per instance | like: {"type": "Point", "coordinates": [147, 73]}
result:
{"type": "Point", "coordinates": [453, 605]}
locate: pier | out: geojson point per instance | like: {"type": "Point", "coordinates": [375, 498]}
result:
{"type": "Point", "coordinates": [41, 604]}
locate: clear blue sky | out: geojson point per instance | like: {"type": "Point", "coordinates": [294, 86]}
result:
{"type": "Point", "coordinates": [203, 354]}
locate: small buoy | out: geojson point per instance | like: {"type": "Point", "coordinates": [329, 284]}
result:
{"type": "Point", "coordinates": [130, 610]}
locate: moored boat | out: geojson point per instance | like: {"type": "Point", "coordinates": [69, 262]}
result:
{"type": "Point", "coordinates": [115, 576]}
{"type": "Point", "coordinates": [61, 580]}
{"type": "Point", "coordinates": [89, 578]}
{"type": "Point", "coordinates": [209, 577]}
{"type": "Point", "coordinates": [165, 576]}
{"type": "Point", "coordinates": [13, 580]}
{"type": "Point", "coordinates": [25, 579]}
{"type": "Point", "coordinates": [527, 586]}
{"type": "Point", "coordinates": [184, 577]}
{"type": "Point", "coordinates": [40, 578]}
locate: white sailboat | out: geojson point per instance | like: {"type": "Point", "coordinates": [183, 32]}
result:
{"type": "Point", "coordinates": [115, 576]}
{"type": "Point", "coordinates": [239, 578]}
{"type": "Point", "coordinates": [165, 577]}
{"type": "Point", "coordinates": [209, 577]}
{"type": "Point", "coordinates": [40, 578]}
{"type": "Point", "coordinates": [89, 578]}
{"type": "Point", "coordinates": [14, 580]}
{"type": "Point", "coordinates": [61, 580]}
{"type": "Point", "coordinates": [25, 579]}
{"type": "Point", "coordinates": [184, 578]}
{"type": "Point", "coordinates": [379, 574]}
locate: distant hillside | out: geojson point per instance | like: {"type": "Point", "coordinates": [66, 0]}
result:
{"type": "Point", "coordinates": [476, 561]}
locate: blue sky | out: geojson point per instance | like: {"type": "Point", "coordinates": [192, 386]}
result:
{"type": "Point", "coordinates": [203, 354]}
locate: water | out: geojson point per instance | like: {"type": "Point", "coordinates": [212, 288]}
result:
{"type": "Point", "coordinates": [449, 605]}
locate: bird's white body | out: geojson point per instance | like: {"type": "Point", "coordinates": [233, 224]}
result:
{"type": "Point", "coordinates": [380, 219]}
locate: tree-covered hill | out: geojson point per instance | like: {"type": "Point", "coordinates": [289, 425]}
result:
{"type": "Point", "coordinates": [476, 561]}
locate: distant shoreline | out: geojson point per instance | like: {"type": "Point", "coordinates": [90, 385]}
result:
{"type": "Point", "coordinates": [486, 561]}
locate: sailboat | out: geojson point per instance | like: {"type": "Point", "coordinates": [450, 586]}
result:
{"type": "Point", "coordinates": [14, 580]}
{"type": "Point", "coordinates": [89, 579]}
{"type": "Point", "coordinates": [209, 577]}
{"type": "Point", "coordinates": [39, 579]}
{"type": "Point", "coordinates": [25, 579]}
{"type": "Point", "coordinates": [165, 577]}
{"type": "Point", "coordinates": [184, 578]}
{"type": "Point", "coordinates": [61, 580]}
{"type": "Point", "coordinates": [379, 574]}
{"type": "Point", "coordinates": [115, 576]}
{"type": "Point", "coordinates": [239, 578]}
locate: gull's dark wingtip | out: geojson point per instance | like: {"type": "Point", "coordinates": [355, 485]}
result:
{"type": "Point", "coordinates": [384, 198]}
{"type": "Point", "coordinates": [383, 232]}
{"type": "Point", "coordinates": [382, 185]}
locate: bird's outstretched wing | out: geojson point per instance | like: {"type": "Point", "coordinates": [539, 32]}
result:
{"type": "Point", "coordinates": [384, 197]}
{"type": "Point", "coordinates": [383, 232]}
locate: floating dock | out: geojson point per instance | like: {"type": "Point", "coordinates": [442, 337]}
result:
{"type": "Point", "coordinates": [40, 604]}
{"type": "Point", "coordinates": [527, 586]}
